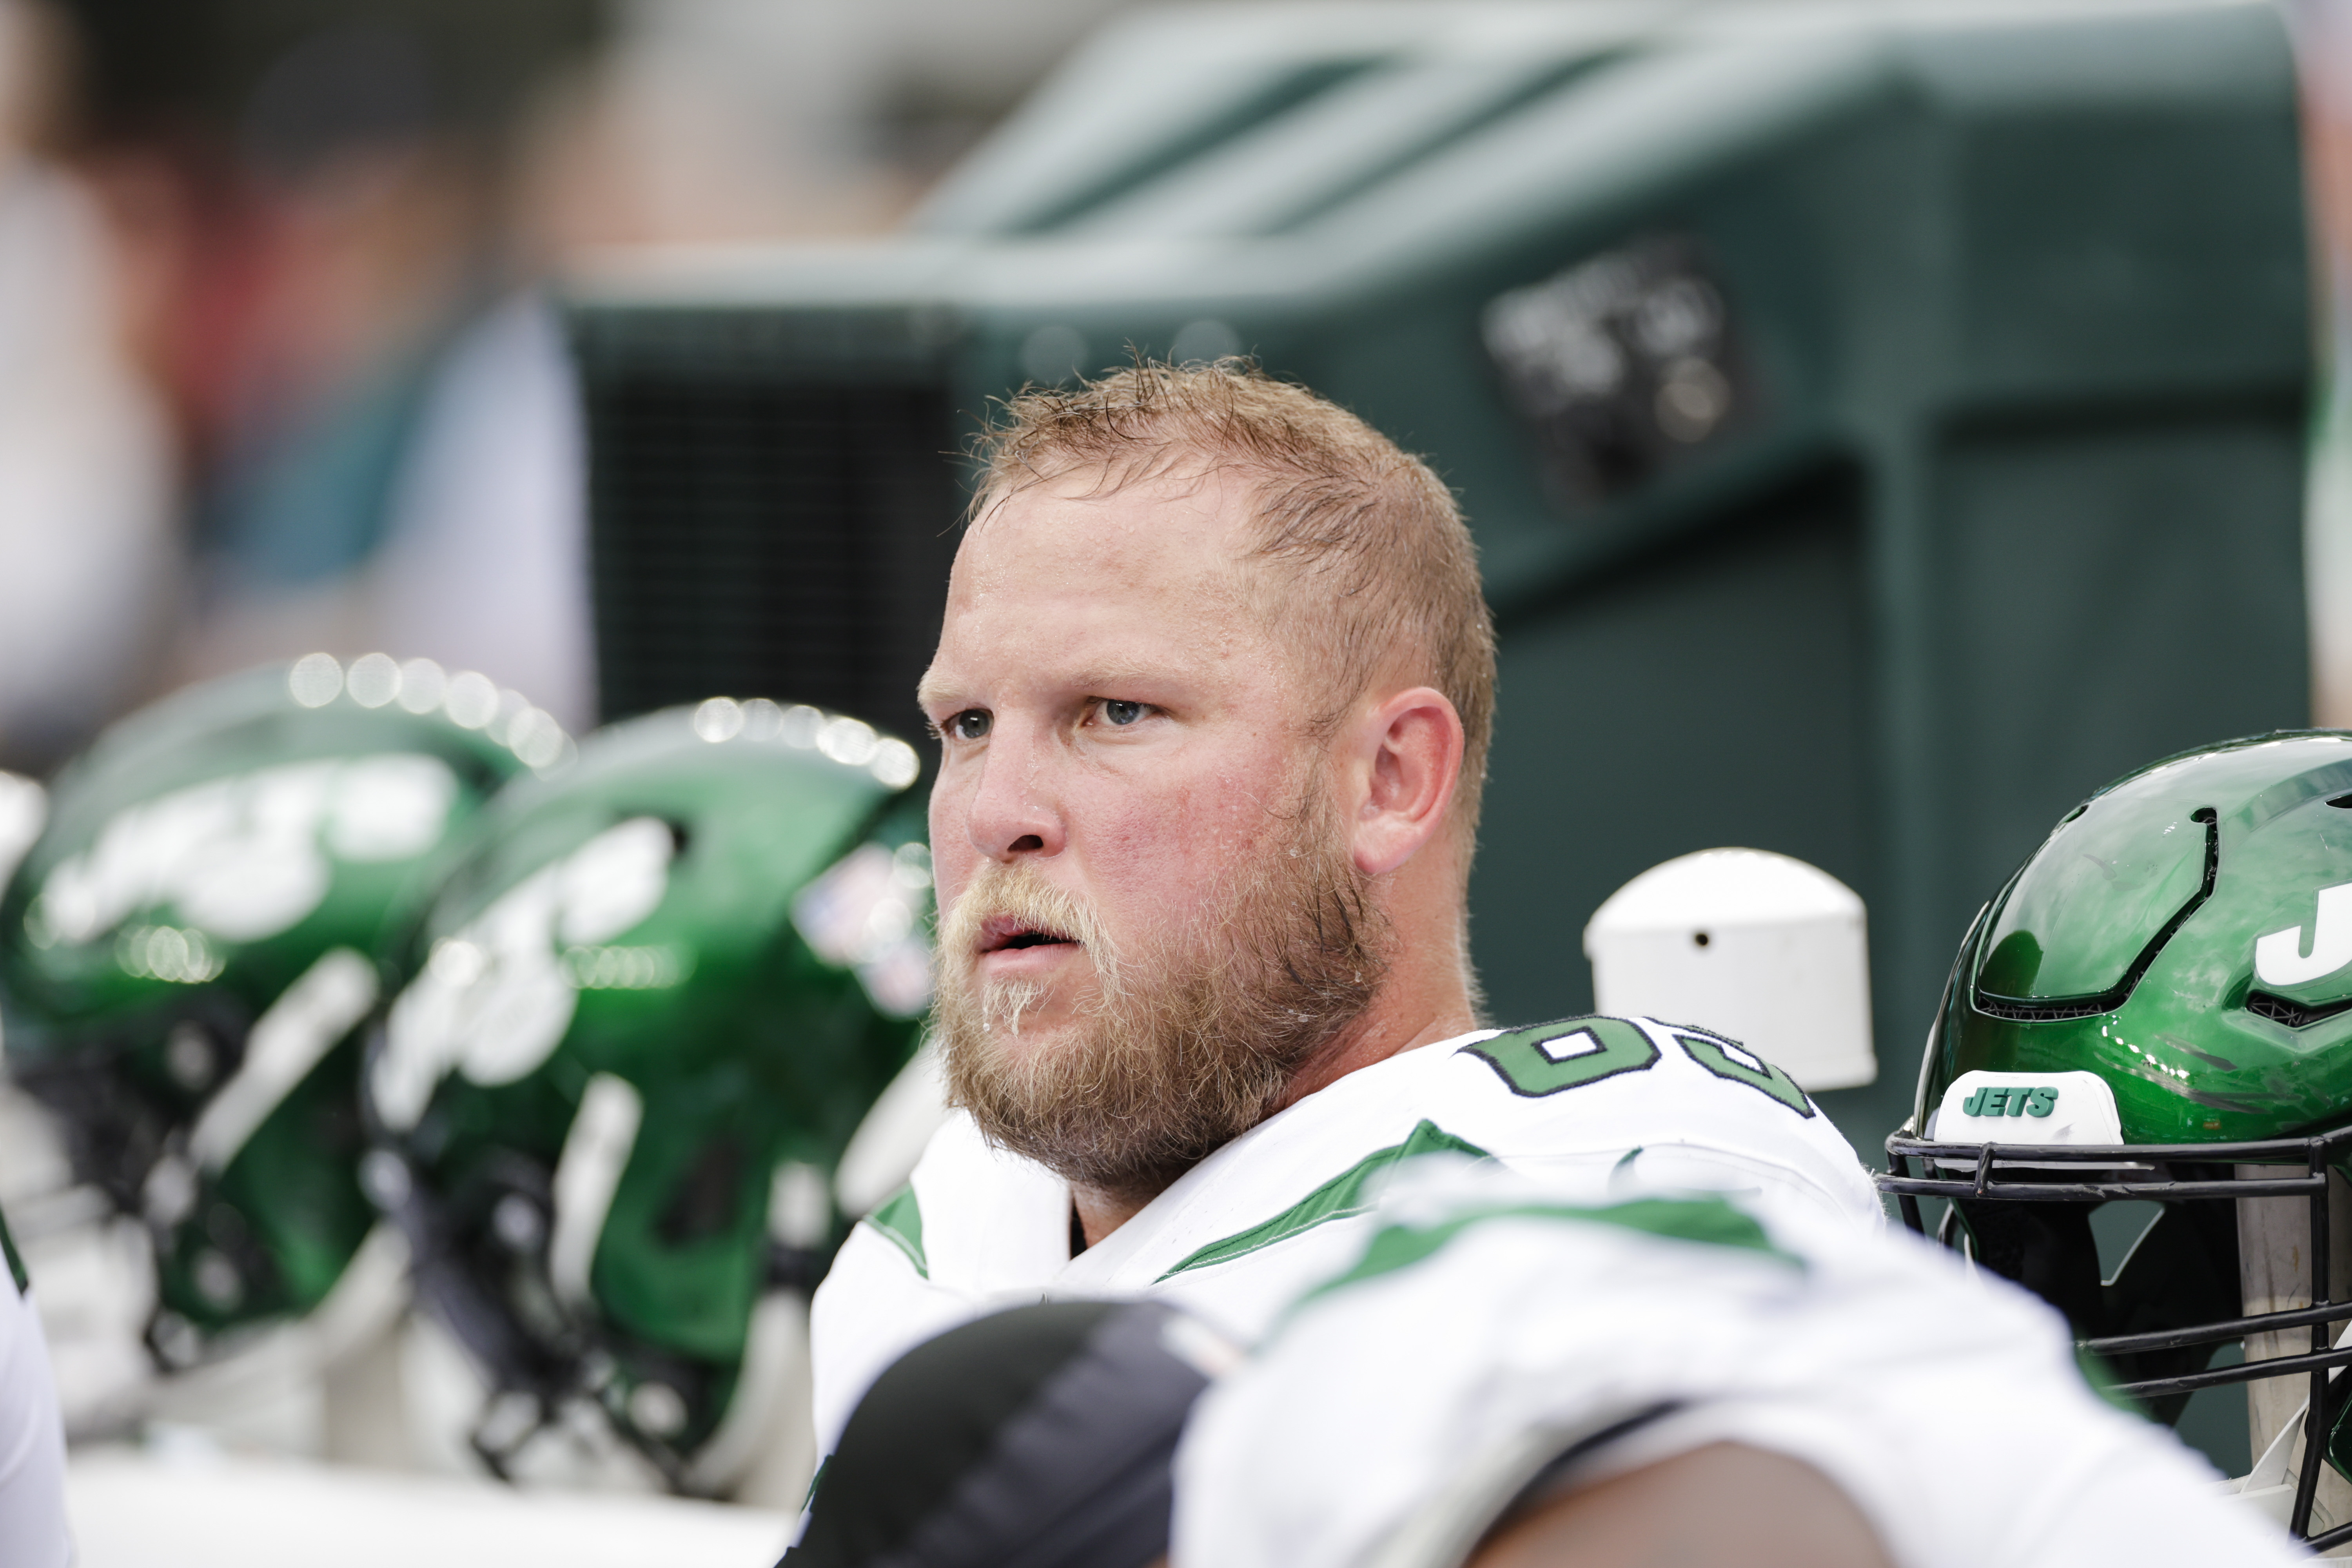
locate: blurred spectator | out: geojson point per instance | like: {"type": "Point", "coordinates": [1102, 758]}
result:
{"type": "Point", "coordinates": [316, 224]}
{"type": "Point", "coordinates": [313, 207]}
{"type": "Point", "coordinates": [86, 541]}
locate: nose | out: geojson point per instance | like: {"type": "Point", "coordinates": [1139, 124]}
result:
{"type": "Point", "coordinates": [1013, 811]}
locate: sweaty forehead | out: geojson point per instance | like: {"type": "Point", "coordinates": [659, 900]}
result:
{"type": "Point", "coordinates": [1152, 576]}
{"type": "Point", "coordinates": [1175, 532]}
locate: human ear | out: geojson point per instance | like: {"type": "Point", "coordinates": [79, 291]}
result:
{"type": "Point", "coordinates": [1405, 761]}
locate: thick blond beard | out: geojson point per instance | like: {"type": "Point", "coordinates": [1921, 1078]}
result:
{"type": "Point", "coordinates": [1190, 1039]}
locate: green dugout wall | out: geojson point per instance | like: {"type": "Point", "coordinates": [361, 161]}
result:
{"type": "Point", "coordinates": [1880, 428]}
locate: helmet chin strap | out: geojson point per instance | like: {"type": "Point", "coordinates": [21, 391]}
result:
{"type": "Point", "coordinates": [521, 1438]}
{"type": "Point", "coordinates": [761, 1454]}
{"type": "Point", "coordinates": [763, 1441]}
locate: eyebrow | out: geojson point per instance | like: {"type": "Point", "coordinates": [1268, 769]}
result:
{"type": "Point", "coordinates": [1106, 678]}
{"type": "Point", "coordinates": [1099, 680]}
{"type": "Point", "coordinates": [931, 694]}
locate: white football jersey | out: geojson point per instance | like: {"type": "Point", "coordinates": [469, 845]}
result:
{"type": "Point", "coordinates": [1599, 1108]}
{"type": "Point", "coordinates": [1493, 1345]}
{"type": "Point", "coordinates": [32, 1436]}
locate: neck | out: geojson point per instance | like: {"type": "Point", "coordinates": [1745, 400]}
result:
{"type": "Point", "coordinates": [1411, 1010]}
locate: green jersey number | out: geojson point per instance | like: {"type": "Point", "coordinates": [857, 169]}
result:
{"type": "Point", "coordinates": [1729, 1059]}
{"type": "Point", "coordinates": [1550, 1057]}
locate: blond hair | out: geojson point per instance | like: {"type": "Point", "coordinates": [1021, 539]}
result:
{"type": "Point", "coordinates": [1381, 572]}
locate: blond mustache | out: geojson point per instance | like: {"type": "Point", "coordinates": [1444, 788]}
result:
{"type": "Point", "coordinates": [1022, 894]}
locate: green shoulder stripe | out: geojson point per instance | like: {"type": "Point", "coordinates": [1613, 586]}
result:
{"type": "Point", "coordinates": [1711, 1221]}
{"type": "Point", "coordinates": [900, 1221]}
{"type": "Point", "coordinates": [15, 1263]}
{"type": "Point", "coordinates": [1343, 1195]}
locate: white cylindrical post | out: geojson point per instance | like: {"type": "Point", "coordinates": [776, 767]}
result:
{"type": "Point", "coordinates": [1757, 946]}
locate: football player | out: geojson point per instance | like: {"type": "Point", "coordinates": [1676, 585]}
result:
{"type": "Point", "coordinates": [1686, 1380]}
{"type": "Point", "coordinates": [1696, 1380]}
{"type": "Point", "coordinates": [1214, 695]}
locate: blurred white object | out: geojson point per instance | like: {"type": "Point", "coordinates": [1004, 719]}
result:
{"type": "Point", "coordinates": [764, 1452]}
{"type": "Point", "coordinates": [896, 1129]}
{"type": "Point", "coordinates": [328, 1385]}
{"type": "Point", "coordinates": [86, 474]}
{"type": "Point", "coordinates": [1761, 947]}
{"type": "Point", "coordinates": [201, 1509]}
{"type": "Point", "coordinates": [24, 807]}
{"type": "Point", "coordinates": [310, 1387]}
{"type": "Point", "coordinates": [485, 563]}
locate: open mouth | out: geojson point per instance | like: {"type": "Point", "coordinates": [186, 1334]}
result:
{"type": "Point", "coordinates": [1001, 934]}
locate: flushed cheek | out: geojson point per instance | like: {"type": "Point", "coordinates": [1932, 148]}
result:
{"type": "Point", "coordinates": [1133, 828]}
{"type": "Point", "coordinates": [954, 859]}
{"type": "Point", "coordinates": [951, 875]}
{"type": "Point", "coordinates": [1150, 877]}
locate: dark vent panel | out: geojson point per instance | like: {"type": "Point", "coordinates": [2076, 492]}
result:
{"type": "Point", "coordinates": [756, 531]}
{"type": "Point", "coordinates": [2293, 1014]}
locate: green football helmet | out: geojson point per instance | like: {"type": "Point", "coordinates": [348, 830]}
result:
{"type": "Point", "coordinates": [189, 948]}
{"type": "Point", "coordinates": [2157, 1006]}
{"type": "Point", "coordinates": [644, 1017]}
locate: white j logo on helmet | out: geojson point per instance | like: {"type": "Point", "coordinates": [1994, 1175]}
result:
{"type": "Point", "coordinates": [2280, 958]}
{"type": "Point", "coordinates": [246, 856]}
{"type": "Point", "coordinates": [495, 999]}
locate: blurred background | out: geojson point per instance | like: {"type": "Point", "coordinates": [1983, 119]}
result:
{"type": "Point", "coordinates": [282, 373]}
{"type": "Point", "coordinates": [1884, 423]}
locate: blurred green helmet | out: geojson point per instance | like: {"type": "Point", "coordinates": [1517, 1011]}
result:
{"type": "Point", "coordinates": [2168, 977]}
{"type": "Point", "coordinates": [642, 1020]}
{"type": "Point", "coordinates": [190, 946]}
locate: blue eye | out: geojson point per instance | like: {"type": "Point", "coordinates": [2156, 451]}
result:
{"type": "Point", "coordinates": [1121, 714]}
{"type": "Point", "coordinates": [969, 725]}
